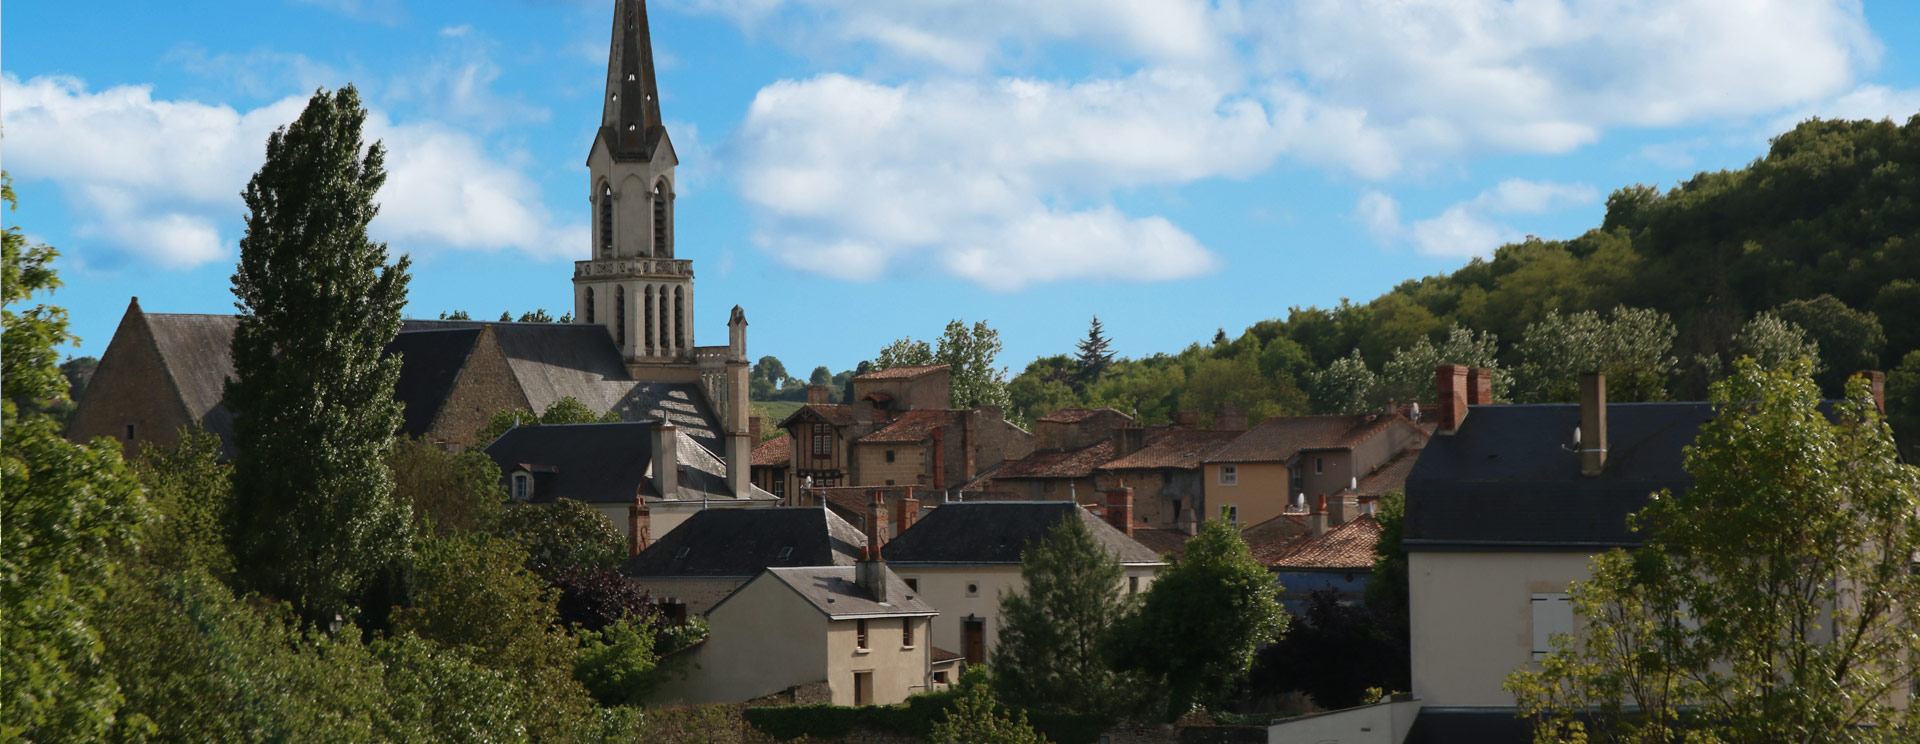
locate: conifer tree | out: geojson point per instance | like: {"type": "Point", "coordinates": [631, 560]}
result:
{"type": "Point", "coordinates": [1055, 635]}
{"type": "Point", "coordinates": [314, 414]}
{"type": "Point", "coordinates": [1095, 355]}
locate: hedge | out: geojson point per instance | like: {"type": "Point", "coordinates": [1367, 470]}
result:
{"type": "Point", "coordinates": [915, 717]}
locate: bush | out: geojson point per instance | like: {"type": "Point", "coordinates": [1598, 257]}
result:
{"type": "Point", "coordinates": [563, 533]}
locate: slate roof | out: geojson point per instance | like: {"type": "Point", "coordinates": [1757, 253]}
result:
{"type": "Point", "coordinates": [1177, 449]}
{"type": "Point", "coordinates": [1348, 546]}
{"type": "Point", "coordinates": [995, 532]}
{"type": "Point", "coordinates": [913, 427]}
{"type": "Point", "coordinates": [773, 453]}
{"type": "Point", "coordinates": [1076, 415]}
{"type": "Point", "coordinates": [901, 373]}
{"type": "Point", "coordinates": [430, 362]}
{"type": "Point", "coordinates": [684, 404]}
{"type": "Point", "coordinates": [198, 356]}
{"type": "Point", "coordinates": [607, 463]}
{"type": "Point", "coordinates": [1390, 476]}
{"type": "Point", "coordinates": [1507, 480]}
{"type": "Point", "coordinates": [1280, 438]}
{"type": "Point", "coordinates": [743, 542]}
{"type": "Point", "coordinates": [832, 591]}
{"type": "Point", "coordinates": [1078, 463]}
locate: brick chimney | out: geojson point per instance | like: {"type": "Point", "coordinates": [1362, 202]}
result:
{"type": "Point", "coordinates": [754, 430]}
{"type": "Point", "coordinates": [906, 511]}
{"type": "Point", "coordinates": [639, 525]}
{"type": "Point", "coordinates": [1120, 509]}
{"type": "Point", "coordinates": [1479, 386]}
{"type": "Point", "coordinates": [1593, 423]}
{"type": "Point", "coordinates": [1451, 383]}
{"type": "Point", "coordinates": [666, 460]}
{"type": "Point", "coordinates": [870, 571]}
{"type": "Point", "coordinates": [877, 522]}
{"type": "Point", "coordinates": [1317, 521]}
{"type": "Point", "coordinates": [1877, 383]}
{"type": "Point", "coordinates": [818, 395]}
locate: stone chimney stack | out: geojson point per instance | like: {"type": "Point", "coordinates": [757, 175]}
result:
{"type": "Point", "coordinates": [817, 395]}
{"type": "Point", "coordinates": [1479, 386]}
{"type": "Point", "coordinates": [737, 335]}
{"type": "Point", "coordinates": [1120, 509]}
{"type": "Point", "coordinates": [1317, 521]}
{"type": "Point", "coordinates": [639, 525]}
{"type": "Point", "coordinates": [877, 523]}
{"type": "Point", "coordinates": [1346, 508]}
{"type": "Point", "coordinates": [870, 572]}
{"type": "Point", "coordinates": [666, 460]}
{"type": "Point", "coordinates": [755, 430]}
{"type": "Point", "coordinates": [1230, 418]}
{"type": "Point", "coordinates": [1189, 519]}
{"type": "Point", "coordinates": [1877, 383]}
{"type": "Point", "coordinates": [907, 510]}
{"type": "Point", "coordinates": [1451, 381]}
{"type": "Point", "coordinates": [1593, 423]}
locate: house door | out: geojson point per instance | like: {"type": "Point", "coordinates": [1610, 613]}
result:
{"type": "Point", "coordinates": [973, 641]}
{"type": "Point", "coordinates": [863, 688]}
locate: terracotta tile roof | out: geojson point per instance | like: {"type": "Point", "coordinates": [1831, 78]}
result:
{"type": "Point", "coordinates": [1277, 530]}
{"type": "Point", "coordinates": [1348, 546]}
{"type": "Point", "coordinates": [941, 654]}
{"type": "Point", "coordinates": [1390, 476]}
{"type": "Point", "coordinates": [773, 453]}
{"type": "Point", "coordinates": [834, 413]}
{"type": "Point", "coordinates": [1163, 541]}
{"type": "Point", "coordinates": [900, 373]}
{"type": "Point", "coordinates": [1075, 415]}
{"type": "Point", "coordinates": [1182, 449]}
{"type": "Point", "coordinates": [913, 426]}
{"type": "Point", "coordinates": [1069, 464]}
{"type": "Point", "coordinates": [1280, 438]}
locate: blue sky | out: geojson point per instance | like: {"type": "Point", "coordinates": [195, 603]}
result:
{"type": "Point", "coordinates": [854, 172]}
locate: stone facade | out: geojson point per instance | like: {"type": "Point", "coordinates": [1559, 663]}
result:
{"type": "Point", "coordinates": [485, 385]}
{"type": "Point", "coordinates": [129, 399]}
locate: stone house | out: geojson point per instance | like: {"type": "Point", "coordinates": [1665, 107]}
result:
{"type": "Point", "coordinates": [1292, 460]}
{"type": "Point", "coordinates": [715, 551]}
{"type": "Point", "coordinates": [771, 460]}
{"type": "Point", "coordinates": [1166, 476]}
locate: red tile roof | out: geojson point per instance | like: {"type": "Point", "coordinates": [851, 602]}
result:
{"type": "Point", "coordinates": [773, 453]}
{"type": "Point", "coordinates": [913, 426]}
{"type": "Point", "coordinates": [900, 373]}
{"type": "Point", "coordinates": [1163, 541]}
{"type": "Point", "coordinates": [1070, 464]}
{"type": "Point", "coordinates": [834, 413]}
{"type": "Point", "coordinates": [1347, 546]}
{"type": "Point", "coordinates": [1077, 415]}
{"type": "Point", "coordinates": [1182, 449]}
{"type": "Point", "coordinates": [1280, 438]}
{"type": "Point", "coordinates": [1277, 530]}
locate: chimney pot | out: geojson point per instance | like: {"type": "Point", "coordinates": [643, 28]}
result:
{"type": "Point", "coordinates": [1451, 383]}
{"type": "Point", "coordinates": [1479, 386]}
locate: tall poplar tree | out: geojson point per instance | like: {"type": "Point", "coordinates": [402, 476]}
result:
{"type": "Point", "coordinates": [314, 414]}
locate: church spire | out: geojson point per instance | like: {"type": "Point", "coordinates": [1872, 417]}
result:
{"type": "Point", "coordinates": [630, 119]}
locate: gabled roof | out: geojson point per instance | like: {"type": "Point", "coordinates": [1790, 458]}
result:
{"type": "Point", "coordinates": [1163, 541]}
{"type": "Point", "coordinates": [837, 414]}
{"type": "Point", "coordinates": [743, 542]}
{"type": "Point", "coordinates": [197, 352]}
{"type": "Point", "coordinates": [773, 453]}
{"type": "Point", "coordinates": [1281, 438]}
{"type": "Point", "coordinates": [1077, 415]}
{"type": "Point", "coordinates": [901, 373]}
{"type": "Point", "coordinates": [1348, 546]}
{"type": "Point", "coordinates": [1390, 476]}
{"type": "Point", "coordinates": [1078, 463]}
{"type": "Point", "coordinates": [607, 463]}
{"type": "Point", "coordinates": [1176, 449]}
{"type": "Point", "coordinates": [430, 362]}
{"type": "Point", "coordinates": [1508, 479]}
{"type": "Point", "coordinates": [832, 591]}
{"type": "Point", "coordinates": [914, 426]}
{"type": "Point", "coordinates": [995, 533]}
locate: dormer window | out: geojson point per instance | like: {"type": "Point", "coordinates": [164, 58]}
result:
{"type": "Point", "coordinates": [785, 553]}
{"type": "Point", "coordinates": [522, 486]}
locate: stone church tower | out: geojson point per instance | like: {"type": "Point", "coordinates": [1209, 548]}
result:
{"type": "Point", "coordinates": [632, 284]}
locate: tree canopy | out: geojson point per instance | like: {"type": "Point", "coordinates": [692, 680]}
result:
{"type": "Point", "coordinates": [1055, 633]}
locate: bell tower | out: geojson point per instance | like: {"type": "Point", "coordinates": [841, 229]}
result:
{"type": "Point", "coordinates": [630, 282]}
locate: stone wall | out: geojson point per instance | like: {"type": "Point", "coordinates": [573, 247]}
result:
{"type": "Point", "coordinates": [484, 386]}
{"type": "Point", "coordinates": [131, 388]}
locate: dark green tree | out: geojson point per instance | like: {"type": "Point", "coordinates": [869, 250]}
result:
{"type": "Point", "coordinates": [1203, 618]}
{"type": "Point", "coordinates": [1095, 354]}
{"type": "Point", "coordinates": [1850, 340]}
{"type": "Point", "coordinates": [820, 376]}
{"type": "Point", "coordinates": [1387, 586]}
{"type": "Point", "coordinates": [536, 316]}
{"type": "Point", "coordinates": [446, 491]}
{"type": "Point", "coordinates": [455, 315]}
{"type": "Point", "coordinates": [561, 534]}
{"type": "Point", "coordinates": [314, 414]}
{"type": "Point", "coordinates": [1055, 633]}
{"type": "Point", "coordinates": [191, 497]}
{"type": "Point", "coordinates": [977, 718]}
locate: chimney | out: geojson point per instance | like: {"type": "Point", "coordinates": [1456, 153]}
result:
{"type": "Point", "coordinates": [1230, 418]}
{"type": "Point", "coordinates": [908, 511]}
{"type": "Point", "coordinates": [1593, 423]}
{"type": "Point", "coordinates": [666, 460]}
{"type": "Point", "coordinates": [1451, 381]}
{"type": "Point", "coordinates": [1189, 518]}
{"type": "Point", "coordinates": [1120, 509]}
{"type": "Point", "coordinates": [1479, 386]}
{"type": "Point", "coordinates": [877, 532]}
{"type": "Point", "coordinates": [1186, 419]}
{"type": "Point", "coordinates": [870, 572]}
{"type": "Point", "coordinates": [1129, 439]}
{"type": "Point", "coordinates": [1346, 507]}
{"type": "Point", "coordinates": [969, 441]}
{"type": "Point", "coordinates": [817, 395]}
{"type": "Point", "coordinates": [1317, 521]}
{"type": "Point", "coordinates": [1877, 384]}
{"type": "Point", "coordinates": [639, 525]}
{"type": "Point", "coordinates": [939, 459]}
{"type": "Point", "coordinates": [737, 335]}
{"type": "Point", "coordinates": [754, 431]}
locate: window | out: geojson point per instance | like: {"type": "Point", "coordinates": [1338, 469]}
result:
{"type": "Point", "coordinates": [940, 678]}
{"type": "Point", "coordinates": [129, 432]}
{"type": "Point", "coordinates": [822, 440]}
{"type": "Point", "coordinates": [785, 553]}
{"type": "Point", "coordinates": [1133, 585]}
{"type": "Point", "coordinates": [1319, 465]}
{"type": "Point", "coordinates": [889, 481]}
{"type": "Point", "coordinates": [860, 634]}
{"type": "Point", "coordinates": [889, 455]}
{"type": "Point", "coordinates": [906, 632]}
{"type": "Point", "coordinates": [1299, 481]}
{"type": "Point", "coordinates": [1230, 514]}
{"type": "Point", "coordinates": [606, 221]}
{"type": "Point", "coordinates": [661, 247]}
{"type": "Point", "coordinates": [912, 584]}
{"type": "Point", "coordinates": [973, 590]}
{"type": "Point", "coordinates": [522, 486]}
{"type": "Point", "coordinates": [679, 318]}
{"type": "Point", "coordinates": [646, 308]}
{"type": "Point", "coordinates": [1552, 614]}
{"type": "Point", "coordinates": [589, 308]}
{"type": "Point", "coordinates": [780, 487]}
{"type": "Point", "coordinates": [1229, 475]}
{"type": "Point", "coordinates": [620, 316]}
{"type": "Point", "coordinates": [661, 313]}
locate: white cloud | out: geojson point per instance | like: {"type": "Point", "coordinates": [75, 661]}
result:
{"type": "Point", "coordinates": [1521, 196]}
{"type": "Point", "coordinates": [1459, 232]}
{"type": "Point", "coordinates": [1864, 102]}
{"type": "Point", "coordinates": [160, 180]}
{"type": "Point", "coordinates": [1380, 214]}
{"type": "Point", "coordinates": [1465, 229]}
{"type": "Point", "coordinates": [457, 83]}
{"type": "Point", "coordinates": [385, 12]}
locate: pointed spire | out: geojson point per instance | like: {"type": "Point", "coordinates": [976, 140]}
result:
{"type": "Point", "coordinates": [630, 119]}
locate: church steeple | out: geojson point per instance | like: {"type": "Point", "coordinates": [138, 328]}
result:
{"type": "Point", "coordinates": [630, 116]}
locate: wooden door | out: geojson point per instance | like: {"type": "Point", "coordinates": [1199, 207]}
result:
{"type": "Point", "coordinates": [973, 641]}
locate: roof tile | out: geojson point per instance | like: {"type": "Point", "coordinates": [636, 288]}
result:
{"type": "Point", "coordinates": [1347, 546]}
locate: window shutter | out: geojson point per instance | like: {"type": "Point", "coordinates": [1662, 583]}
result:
{"type": "Point", "coordinates": [1552, 614]}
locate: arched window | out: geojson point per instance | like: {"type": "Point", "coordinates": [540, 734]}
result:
{"type": "Point", "coordinates": [606, 221]}
{"type": "Point", "coordinates": [588, 311]}
{"type": "Point", "coordinates": [662, 245]}
{"type": "Point", "coordinates": [620, 315]}
{"type": "Point", "coordinates": [647, 306]}
{"type": "Point", "coordinates": [679, 319]}
{"type": "Point", "coordinates": [665, 335]}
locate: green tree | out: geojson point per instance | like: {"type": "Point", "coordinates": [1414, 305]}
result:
{"type": "Point", "coordinates": [455, 315]}
{"type": "Point", "coordinates": [1345, 386]}
{"type": "Point", "coordinates": [1055, 634]}
{"type": "Point", "coordinates": [618, 664]}
{"type": "Point", "coordinates": [1773, 343]}
{"type": "Point", "coordinates": [1633, 346]}
{"type": "Point", "coordinates": [560, 534]}
{"type": "Point", "coordinates": [1094, 354]}
{"type": "Point", "coordinates": [1903, 401]}
{"type": "Point", "coordinates": [567, 410]}
{"type": "Point", "coordinates": [1773, 600]}
{"type": "Point", "coordinates": [977, 718]}
{"type": "Point", "coordinates": [313, 406]}
{"type": "Point", "coordinates": [191, 495]}
{"type": "Point", "coordinates": [820, 376]}
{"type": "Point", "coordinates": [1409, 375]}
{"type": "Point", "coordinates": [969, 353]}
{"type": "Point", "coordinates": [1203, 618]}
{"type": "Point", "coordinates": [68, 510]}
{"type": "Point", "coordinates": [1387, 586]}
{"type": "Point", "coordinates": [446, 491]}
{"type": "Point", "coordinates": [1849, 340]}
{"type": "Point", "coordinates": [536, 316]}
{"type": "Point", "coordinates": [904, 352]}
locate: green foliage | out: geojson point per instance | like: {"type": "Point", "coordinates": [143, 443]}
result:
{"type": "Point", "coordinates": [562, 533]}
{"type": "Point", "coordinates": [1094, 354]}
{"type": "Point", "coordinates": [1721, 624]}
{"type": "Point", "coordinates": [821, 376]}
{"type": "Point", "coordinates": [618, 664]}
{"type": "Point", "coordinates": [434, 693]}
{"type": "Point", "coordinates": [976, 718]}
{"type": "Point", "coordinates": [1770, 342]}
{"type": "Point", "coordinates": [968, 351]}
{"type": "Point", "coordinates": [567, 410]}
{"type": "Point", "coordinates": [1849, 340]}
{"type": "Point", "coordinates": [1195, 634]}
{"type": "Point", "coordinates": [535, 316]}
{"type": "Point", "coordinates": [1409, 375]}
{"type": "Point", "coordinates": [455, 315]}
{"type": "Point", "coordinates": [1345, 386]}
{"type": "Point", "coordinates": [1341, 654]}
{"type": "Point", "coordinates": [68, 510]}
{"type": "Point", "coordinates": [904, 352]}
{"type": "Point", "coordinates": [1055, 635]}
{"type": "Point", "coordinates": [1387, 586]}
{"type": "Point", "coordinates": [1633, 346]}
{"type": "Point", "coordinates": [314, 413]}
{"type": "Point", "coordinates": [1903, 400]}
{"type": "Point", "coordinates": [191, 494]}
{"type": "Point", "coordinates": [446, 491]}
